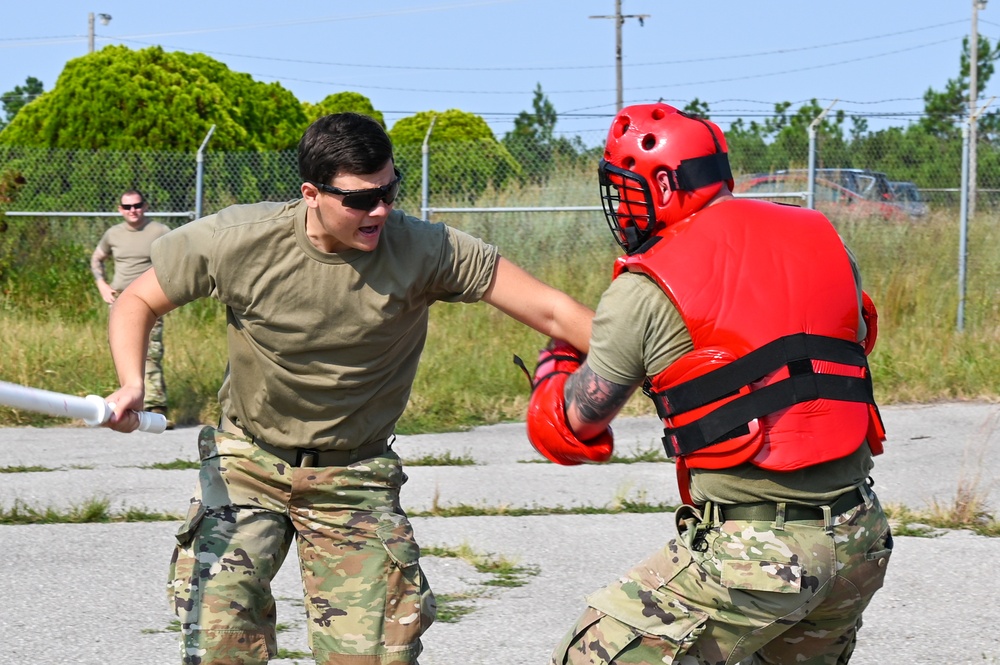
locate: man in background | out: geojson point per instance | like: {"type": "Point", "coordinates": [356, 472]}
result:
{"type": "Point", "coordinates": [128, 245]}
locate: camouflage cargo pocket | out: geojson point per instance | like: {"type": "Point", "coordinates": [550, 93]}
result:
{"type": "Point", "coordinates": [770, 576]}
{"type": "Point", "coordinates": [182, 562]}
{"type": "Point", "coordinates": [410, 607]}
{"type": "Point", "coordinates": [629, 611]}
{"type": "Point", "coordinates": [752, 560]}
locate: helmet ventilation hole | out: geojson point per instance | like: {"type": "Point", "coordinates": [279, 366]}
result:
{"type": "Point", "coordinates": [648, 142]}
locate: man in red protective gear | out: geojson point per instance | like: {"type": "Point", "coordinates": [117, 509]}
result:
{"type": "Point", "coordinates": [746, 324]}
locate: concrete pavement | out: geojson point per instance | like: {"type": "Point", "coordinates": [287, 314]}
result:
{"type": "Point", "coordinates": [94, 593]}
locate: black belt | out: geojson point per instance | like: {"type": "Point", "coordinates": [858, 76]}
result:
{"type": "Point", "coordinates": [310, 457]}
{"type": "Point", "coordinates": [794, 512]}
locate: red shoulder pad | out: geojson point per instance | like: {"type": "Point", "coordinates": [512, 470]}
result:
{"type": "Point", "coordinates": [870, 316]}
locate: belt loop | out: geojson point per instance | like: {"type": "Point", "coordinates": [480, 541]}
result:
{"type": "Point", "coordinates": [779, 516]}
{"type": "Point", "coordinates": [306, 457]}
{"type": "Point", "coordinates": [712, 515]}
{"type": "Point", "coordinates": [827, 519]}
{"type": "Point", "coordinates": [866, 492]}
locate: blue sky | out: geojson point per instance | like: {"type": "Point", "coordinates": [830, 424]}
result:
{"type": "Point", "coordinates": [877, 57]}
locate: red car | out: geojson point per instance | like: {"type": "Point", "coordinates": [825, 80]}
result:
{"type": "Point", "coordinates": [831, 199]}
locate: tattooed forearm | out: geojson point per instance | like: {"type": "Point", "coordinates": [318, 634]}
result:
{"type": "Point", "coordinates": [595, 398]}
{"type": "Point", "coordinates": [97, 266]}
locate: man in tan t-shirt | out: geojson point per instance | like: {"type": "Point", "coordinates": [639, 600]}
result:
{"type": "Point", "coordinates": [327, 302]}
{"type": "Point", "coordinates": [128, 245]}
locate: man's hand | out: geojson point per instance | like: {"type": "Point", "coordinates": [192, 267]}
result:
{"type": "Point", "coordinates": [126, 401]}
{"type": "Point", "coordinates": [108, 294]}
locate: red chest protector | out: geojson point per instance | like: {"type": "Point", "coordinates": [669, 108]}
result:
{"type": "Point", "coordinates": [777, 377]}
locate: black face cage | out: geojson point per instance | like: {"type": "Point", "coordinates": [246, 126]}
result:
{"type": "Point", "coordinates": [631, 220]}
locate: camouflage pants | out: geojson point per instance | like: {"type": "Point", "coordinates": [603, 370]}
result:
{"type": "Point", "coordinates": [156, 387]}
{"type": "Point", "coordinates": [771, 592]}
{"type": "Point", "coordinates": [367, 601]}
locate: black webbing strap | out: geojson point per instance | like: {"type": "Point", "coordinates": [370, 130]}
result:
{"type": "Point", "coordinates": [791, 351]}
{"type": "Point", "coordinates": [697, 172]}
{"type": "Point", "coordinates": [717, 425]}
{"type": "Point", "coordinates": [795, 352]}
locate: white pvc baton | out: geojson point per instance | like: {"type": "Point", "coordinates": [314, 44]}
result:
{"type": "Point", "coordinates": [92, 409]}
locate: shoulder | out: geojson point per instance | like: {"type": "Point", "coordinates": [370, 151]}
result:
{"type": "Point", "coordinates": [158, 228]}
{"type": "Point", "coordinates": [114, 231]}
{"type": "Point", "coordinates": [254, 213]}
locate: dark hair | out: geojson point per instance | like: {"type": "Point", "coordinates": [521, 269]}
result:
{"type": "Point", "coordinates": [349, 143]}
{"type": "Point", "coordinates": [133, 192]}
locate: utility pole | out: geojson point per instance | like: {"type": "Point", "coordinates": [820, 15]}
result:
{"type": "Point", "coordinates": [973, 97]}
{"type": "Point", "coordinates": [619, 20]}
{"type": "Point", "coordinates": [105, 19]}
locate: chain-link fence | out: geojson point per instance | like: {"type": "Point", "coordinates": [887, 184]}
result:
{"type": "Point", "coordinates": [539, 206]}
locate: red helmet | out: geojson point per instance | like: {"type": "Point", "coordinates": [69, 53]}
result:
{"type": "Point", "coordinates": [645, 140]}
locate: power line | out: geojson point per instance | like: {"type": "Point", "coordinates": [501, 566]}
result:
{"type": "Point", "coordinates": [395, 67]}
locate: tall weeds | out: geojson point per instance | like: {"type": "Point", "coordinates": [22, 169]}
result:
{"type": "Point", "coordinates": [52, 331]}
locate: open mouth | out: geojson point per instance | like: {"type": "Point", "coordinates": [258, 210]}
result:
{"type": "Point", "coordinates": [369, 230]}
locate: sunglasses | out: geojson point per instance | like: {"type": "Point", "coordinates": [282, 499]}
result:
{"type": "Point", "coordinates": [132, 206]}
{"type": "Point", "coordinates": [364, 199]}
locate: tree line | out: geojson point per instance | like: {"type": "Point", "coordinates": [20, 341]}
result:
{"type": "Point", "coordinates": [152, 100]}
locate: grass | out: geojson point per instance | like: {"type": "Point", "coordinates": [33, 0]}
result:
{"type": "Point", "coordinates": [94, 510]}
{"type": "Point", "coordinates": [290, 654]}
{"type": "Point", "coordinates": [968, 511]}
{"type": "Point", "coordinates": [446, 459]}
{"type": "Point", "coordinates": [173, 627]}
{"type": "Point", "coordinates": [467, 378]}
{"type": "Point", "coordinates": [620, 505]}
{"type": "Point", "coordinates": [25, 469]}
{"type": "Point", "coordinates": [176, 465]}
{"type": "Point", "coordinates": [640, 456]}
{"type": "Point", "coordinates": [503, 572]}
{"type": "Point", "coordinates": [968, 508]}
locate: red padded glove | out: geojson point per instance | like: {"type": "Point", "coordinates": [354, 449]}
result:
{"type": "Point", "coordinates": [548, 430]}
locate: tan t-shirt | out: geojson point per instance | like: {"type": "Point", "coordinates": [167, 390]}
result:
{"type": "Point", "coordinates": [323, 348]}
{"type": "Point", "coordinates": [638, 332]}
{"type": "Point", "coordinates": [130, 247]}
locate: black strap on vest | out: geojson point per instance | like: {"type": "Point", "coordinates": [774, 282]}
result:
{"type": "Point", "coordinates": [796, 352]}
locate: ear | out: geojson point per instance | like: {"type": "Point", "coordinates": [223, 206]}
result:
{"type": "Point", "coordinates": [310, 194]}
{"type": "Point", "coordinates": [663, 185]}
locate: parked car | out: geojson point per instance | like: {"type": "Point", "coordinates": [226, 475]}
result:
{"type": "Point", "coordinates": [907, 196]}
{"type": "Point", "coordinates": [872, 185]}
{"type": "Point", "coordinates": [832, 199]}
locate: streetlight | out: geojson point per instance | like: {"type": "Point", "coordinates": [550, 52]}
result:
{"type": "Point", "coordinates": [105, 19]}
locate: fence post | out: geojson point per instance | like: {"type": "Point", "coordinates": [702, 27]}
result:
{"type": "Point", "coordinates": [200, 174]}
{"type": "Point", "coordinates": [966, 191]}
{"type": "Point", "coordinates": [425, 172]}
{"type": "Point", "coordinates": [811, 174]}
{"type": "Point", "coordinates": [963, 223]}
